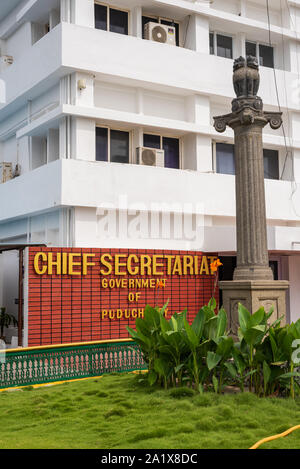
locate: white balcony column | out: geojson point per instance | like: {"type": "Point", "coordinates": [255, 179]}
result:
{"type": "Point", "coordinates": [197, 148]}
{"type": "Point", "coordinates": [137, 141]}
{"type": "Point", "coordinates": [198, 109]}
{"type": "Point", "coordinates": [239, 45]}
{"type": "Point", "coordinates": [195, 34]}
{"type": "Point", "coordinates": [83, 13]}
{"type": "Point", "coordinates": [243, 7]}
{"type": "Point", "coordinates": [136, 22]}
{"type": "Point", "coordinates": [52, 145]}
{"type": "Point", "coordinates": [65, 137]}
{"type": "Point", "coordinates": [83, 145]}
{"type": "Point", "coordinates": [65, 11]}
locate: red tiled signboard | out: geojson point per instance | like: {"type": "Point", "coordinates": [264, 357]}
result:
{"type": "Point", "coordinates": [80, 295]}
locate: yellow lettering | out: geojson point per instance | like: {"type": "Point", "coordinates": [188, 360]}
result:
{"type": "Point", "coordinates": [85, 262]}
{"type": "Point", "coordinates": [177, 268]}
{"type": "Point", "coordinates": [135, 270]}
{"type": "Point", "coordinates": [157, 264]}
{"type": "Point", "coordinates": [106, 264]}
{"type": "Point", "coordinates": [188, 262]}
{"type": "Point", "coordinates": [119, 264]}
{"type": "Point", "coordinates": [145, 263]}
{"type": "Point", "coordinates": [52, 263]}
{"type": "Point", "coordinates": [73, 264]}
{"type": "Point", "coordinates": [204, 266]}
{"type": "Point", "coordinates": [169, 265]}
{"type": "Point", "coordinates": [37, 257]}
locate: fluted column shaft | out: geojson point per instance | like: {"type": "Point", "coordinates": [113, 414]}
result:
{"type": "Point", "coordinates": [252, 247]}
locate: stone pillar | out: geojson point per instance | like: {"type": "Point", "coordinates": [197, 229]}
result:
{"type": "Point", "coordinates": [253, 284]}
{"type": "Point", "coordinates": [252, 248]}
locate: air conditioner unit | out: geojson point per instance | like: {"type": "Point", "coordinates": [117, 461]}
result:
{"type": "Point", "coordinates": [7, 59]}
{"type": "Point", "coordinates": [5, 172]}
{"type": "Point", "coordinates": [160, 33]}
{"type": "Point", "coordinates": [150, 157]}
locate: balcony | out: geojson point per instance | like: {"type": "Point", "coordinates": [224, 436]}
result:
{"type": "Point", "coordinates": [80, 183]}
{"type": "Point", "coordinates": [133, 62]}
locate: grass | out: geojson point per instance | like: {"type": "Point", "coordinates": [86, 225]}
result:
{"type": "Point", "coordinates": [120, 411]}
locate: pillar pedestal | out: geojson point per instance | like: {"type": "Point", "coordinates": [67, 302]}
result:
{"type": "Point", "coordinates": [253, 294]}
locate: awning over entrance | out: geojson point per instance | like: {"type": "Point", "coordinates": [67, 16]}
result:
{"type": "Point", "coordinates": [17, 247]}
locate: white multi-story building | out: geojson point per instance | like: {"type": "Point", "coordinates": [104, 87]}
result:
{"type": "Point", "coordinates": [86, 85]}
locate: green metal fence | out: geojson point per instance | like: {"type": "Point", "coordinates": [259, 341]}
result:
{"type": "Point", "coordinates": [22, 367]}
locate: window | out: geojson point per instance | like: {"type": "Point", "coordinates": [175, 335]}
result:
{"type": "Point", "coordinates": [112, 145]}
{"type": "Point", "coordinates": [111, 19]}
{"type": "Point", "coordinates": [271, 164]}
{"type": "Point", "coordinates": [148, 19]}
{"type": "Point", "coordinates": [220, 45]}
{"type": "Point", "coordinates": [225, 158]}
{"type": "Point", "coordinates": [169, 145]}
{"type": "Point", "coordinates": [264, 53]}
{"type": "Point", "coordinates": [225, 163]}
{"type": "Point", "coordinates": [266, 56]}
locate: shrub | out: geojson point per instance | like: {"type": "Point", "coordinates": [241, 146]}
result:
{"type": "Point", "coordinates": [204, 356]}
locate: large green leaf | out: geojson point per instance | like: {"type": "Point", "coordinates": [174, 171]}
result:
{"type": "Point", "coordinates": [165, 325]}
{"type": "Point", "coordinates": [244, 318]}
{"type": "Point", "coordinates": [210, 328]}
{"type": "Point", "coordinates": [221, 323]}
{"type": "Point", "coordinates": [142, 327]}
{"type": "Point", "coordinates": [232, 369]}
{"type": "Point", "coordinates": [257, 318]}
{"type": "Point", "coordinates": [254, 335]}
{"type": "Point", "coordinates": [193, 339]}
{"type": "Point", "coordinates": [152, 317]}
{"type": "Point", "coordinates": [266, 373]}
{"type": "Point", "coordinates": [212, 360]}
{"type": "Point", "coordinates": [198, 323]}
{"type": "Point", "coordinates": [224, 348]}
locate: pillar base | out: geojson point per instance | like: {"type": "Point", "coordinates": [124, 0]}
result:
{"type": "Point", "coordinates": [255, 272]}
{"type": "Point", "coordinates": [253, 294]}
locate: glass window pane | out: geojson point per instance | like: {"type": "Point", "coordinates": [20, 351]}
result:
{"type": "Point", "coordinates": [101, 144]}
{"type": "Point", "coordinates": [266, 56]}
{"type": "Point", "coordinates": [100, 17]}
{"type": "Point", "coordinates": [224, 46]}
{"type": "Point", "coordinates": [145, 20]}
{"type": "Point", "coordinates": [171, 147]}
{"type": "Point", "coordinates": [271, 165]}
{"type": "Point", "coordinates": [250, 49]}
{"type": "Point", "coordinates": [176, 26]}
{"type": "Point", "coordinates": [211, 44]}
{"type": "Point", "coordinates": [119, 146]}
{"type": "Point", "coordinates": [225, 158]}
{"type": "Point", "coordinates": [118, 21]}
{"type": "Point", "coordinates": [152, 141]}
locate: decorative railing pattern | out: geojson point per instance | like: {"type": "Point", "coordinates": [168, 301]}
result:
{"type": "Point", "coordinates": [22, 367]}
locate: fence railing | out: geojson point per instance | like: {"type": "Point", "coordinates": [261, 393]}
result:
{"type": "Point", "coordinates": [35, 365]}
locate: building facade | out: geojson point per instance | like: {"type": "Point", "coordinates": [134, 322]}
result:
{"type": "Point", "coordinates": [106, 126]}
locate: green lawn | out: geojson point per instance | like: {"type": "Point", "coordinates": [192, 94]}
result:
{"type": "Point", "coordinates": [119, 411]}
